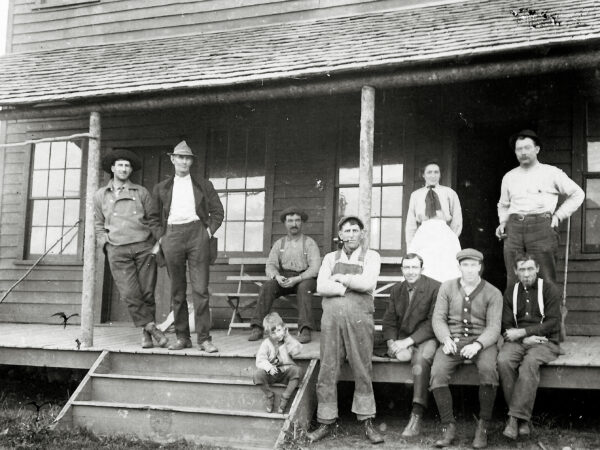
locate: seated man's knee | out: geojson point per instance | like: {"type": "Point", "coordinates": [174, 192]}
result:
{"type": "Point", "coordinates": [488, 374]}
{"type": "Point", "coordinates": [308, 284]}
{"type": "Point", "coordinates": [269, 286]}
{"type": "Point", "coordinates": [294, 372]}
{"type": "Point", "coordinates": [260, 376]}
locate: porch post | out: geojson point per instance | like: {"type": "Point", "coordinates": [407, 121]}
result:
{"type": "Point", "coordinates": [89, 243]}
{"type": "Point", "coordinates": [365, 181]}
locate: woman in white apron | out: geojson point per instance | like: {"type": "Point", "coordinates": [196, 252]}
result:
{"type": "Point", "coordinates": [433, 224]}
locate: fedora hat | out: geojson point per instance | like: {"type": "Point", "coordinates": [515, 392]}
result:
{"type": "Point", "coordinates": [120, 153]}
{"type": "Point", "coordinates": [293, 210]}
{"type": "Point", "coordinates": [182, 149]}
{"type": "Point", "coordinates": [524, 134]}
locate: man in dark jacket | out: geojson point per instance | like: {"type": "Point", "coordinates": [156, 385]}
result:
{"type": "Point", "coordinates": [185, 214]}
{"type": "Point", "coordinates": [408, 332]}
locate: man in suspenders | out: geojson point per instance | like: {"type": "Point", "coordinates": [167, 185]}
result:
{"type": "Point", "coordinates": [346, 282]}
{"type": "Point", "coordinates": [292, 267]}
{"type": "Point", "coordinates": [531, 326]}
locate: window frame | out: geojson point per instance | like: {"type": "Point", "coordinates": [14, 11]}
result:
{"type": "Point", "coordinates": [587, 248]}
{"type": "Point", "coordinates": [52, 259]}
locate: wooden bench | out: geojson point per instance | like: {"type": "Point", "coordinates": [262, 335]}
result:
{"type": "Point", "coordinates": [245, 279]}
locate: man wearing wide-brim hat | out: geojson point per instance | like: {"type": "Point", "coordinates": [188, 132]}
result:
{"type": "Point", "coordinates": [292, 267]}
{"type": "Point", "coordinates": [120, 218]}
{"type": "Point", "coordinates": [186, 213]}
{"type": "Point", "coordinates": [527, 209]}
{"type": "Point", "coordinates": [466, 321]}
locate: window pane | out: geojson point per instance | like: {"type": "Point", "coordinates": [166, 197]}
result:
{"type": "Point", "coordinates": [348, 175]}
{"type": "Point", "coordinates": [73, 155]}
{"type": "Point", "coordinates": [58, 155]}
{"type": "Point", "coordinates": [37, 240]}
{"type": "Point", "coordinates": [39, 183]}
{"type": "Point", "coordinates": [72, 182]}
{"type": "Point", "coordinates": [218, 182]}
{"type": "Point", "coordinates": [235, 205]}
{"type": "Point", "coordinates": [55, 212]}
{"type": "Point", "coordinates": [256, 182]}
{"type": "Point", "coordinates": [53, 234]}
{"type": "Point", "coordinates": [391, 234]}
{"type": "Point", "coordinates": [69, 242]}
{"type": "Point", "coordinates": [392, 201]}
{"type": "Point", "coordinates": [255, 206]}
{"type": "Point", "coordinates": [254, 237]}
{"type": "Point", "coordinates": [393, 173]}
{"type": "Point", "coordinates": [376, 202]}
{"type": "Point", "coordinates": [592, 193]}
{"type": "Point", "coordinates": [375, 235]}
{"type": "Point", "coordinates": [56, 183]}
{"type": "Point", "coordinates": [593, 156]}
{"type": "Point", "coordinates": [592, 227]}
{"type": "Point", "coordinates": [42, 156]}
{"type": "Point", "coordinates": [39, 213]}
{"type": "Point", "coordinates": [376, 174]}
{"type": "Point", "coordinates": [234, 237]}
{"type": "Point", "coordinates": [71, 212]}
{"type": "Point", "coordinates": [347, 201]}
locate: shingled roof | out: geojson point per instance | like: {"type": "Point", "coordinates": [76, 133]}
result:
{"type": "Point", "coordinates": [292, 50]}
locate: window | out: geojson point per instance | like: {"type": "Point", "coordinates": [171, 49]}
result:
{"type": "Point", "coordinates": [54, 202]}
{"type": "Point", "coordinates": [236, 167]}
{"type": "Point", "coordinates": [387, 194]}
{"type": "Point", "coordinates": [591, 182]}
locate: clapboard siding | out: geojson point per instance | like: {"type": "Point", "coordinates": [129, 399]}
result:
{"type": "Point", "coordinates": [125, 20]}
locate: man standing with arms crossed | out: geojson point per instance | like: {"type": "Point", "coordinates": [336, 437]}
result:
{"type": "Point", "coordinates": [527, 207]}
{"type": "Point", "coordinates": [121, 211]}
{"type": "Point", "coordinates": [346, 282]}
{"type": "Point", "coordinates": [186, 213]}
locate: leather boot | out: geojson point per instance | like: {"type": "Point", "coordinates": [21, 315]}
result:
{"type": "Point", "coordinates": [524, 428]}
{"type": "Point", "coordinates": [372, 435]}
{"type": "Point", "coordinates": [480, 440]}
{"type": "Point", "coordinates": [146, 340]}
{"type": "Point", "coordinates": [511, 430]}
{"type": "Point", "coordinates": [449, 431]}
{"type": "Point", "coordinates": [413, 428]}
{"type": "Point", "coordinates": [324, 430]}
{"type": "Point", "coordinates": [158, 335]}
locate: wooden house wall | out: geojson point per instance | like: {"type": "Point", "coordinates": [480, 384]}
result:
{"type": "Point", "coordinates": [107, 21]}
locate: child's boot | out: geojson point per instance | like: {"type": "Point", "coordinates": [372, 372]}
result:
{"type": "Point", "coordinates": [282, 404]}
{"type": "Point", "coordinates": [269, 402]}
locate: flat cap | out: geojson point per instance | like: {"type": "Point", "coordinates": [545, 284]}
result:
{"type": "Point", "coordinates": [345, 219]}
{"type": "Point", "coordinates": [469, 253]}
{"type": "Point", "coordinates": [524, 134]}
{"type": "Point", "coordinates": [293, 210]}
{"type": "Point", "coordinates": [121, 153]}
{"type": "Point", "coordinates": [182, 149]}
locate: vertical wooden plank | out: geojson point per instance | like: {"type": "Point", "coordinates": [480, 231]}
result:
{"type": "Point", "coordinates": [365, 183]}
{"type": "Point", "coordinates": [89, 246]}
{"type": "Point", "coordinates": [578, 165]}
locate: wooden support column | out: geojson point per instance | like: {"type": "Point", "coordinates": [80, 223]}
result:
{"type": "Point", "coordinates": [89, 245]}
{"type": "Point", "coordinates": [365, 181]}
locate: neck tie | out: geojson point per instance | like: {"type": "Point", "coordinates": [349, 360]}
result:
{"type": "Point", "coordinates": [432, 203]}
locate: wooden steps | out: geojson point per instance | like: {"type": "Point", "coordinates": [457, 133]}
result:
{"type": "Point", "coordinates": [167, 397]}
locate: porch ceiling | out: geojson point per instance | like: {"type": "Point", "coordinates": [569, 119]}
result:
{"type": "Point", "coordinates": [302, 50]}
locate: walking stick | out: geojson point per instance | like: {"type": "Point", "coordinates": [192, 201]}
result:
{"type": "Point", "coordinates": [563, 306]}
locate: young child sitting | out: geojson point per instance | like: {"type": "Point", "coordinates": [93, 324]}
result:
{"type": "Point", "coordinates": [274, 363]}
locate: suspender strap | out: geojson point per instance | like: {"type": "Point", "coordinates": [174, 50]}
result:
{"type": "Point", "coordinates": [282, 248]}
{"type": "Point", "coordinates": [540, 299]}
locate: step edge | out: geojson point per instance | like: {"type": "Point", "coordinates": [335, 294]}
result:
{"type": "Point", "coordinates": [207, 380]}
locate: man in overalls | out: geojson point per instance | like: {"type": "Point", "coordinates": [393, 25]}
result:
{"type": "Point", "coordinates": [346, 282]}
{"type": "Point", "coordinates": [292, 267]}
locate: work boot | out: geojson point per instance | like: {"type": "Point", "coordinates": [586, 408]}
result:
{"type": "Point", "coordinates": [448, 437]}
{"type": "Point", "coordinates": [208, 347]}
{"type": "Point", "coordinates": [304, 336]}
{"type": "Point", "coordinates": [269, 402]}
{"type": "Point", "coordinates": [413, 428]}
{"type": "Point", "coordinates": [321, 432]}
{"type": "Point", "coordinates": [180, 344]}
{"type": "Point", "coordinates": [372, 435]}
{"type": "Point", "coordinates": [480, 440]}
{"type": "Point", "coordinates": [257, 334]}
{"type": "Point", "coordinates": [282, 404]}
{"type": "Point", "coordinates": [146, 340]}
{"type": "Point", "coordinates": [524, 428]}
{"type": "Point", "coordinates": [158, 335]}
{"type": "Point", "coordinates": [511, 430]}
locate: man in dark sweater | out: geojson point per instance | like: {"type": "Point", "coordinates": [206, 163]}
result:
{"type": "Point", "coordinates": [466, 320]}
{"type": "Point", "coordinates": [408, 333]}
{"type": "Point", "coordinates": [531, 327]}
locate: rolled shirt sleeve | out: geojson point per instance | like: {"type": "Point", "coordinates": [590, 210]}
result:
{"type": "Point", "coordinates": [574, 193]}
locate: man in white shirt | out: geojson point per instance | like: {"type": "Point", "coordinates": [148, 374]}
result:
{"type": "Point", "coordinates": [185, 214]}
{"type": "Point", "coordinates": [346, 282]}
{"type": "Point", "coordinates": [527, 207]}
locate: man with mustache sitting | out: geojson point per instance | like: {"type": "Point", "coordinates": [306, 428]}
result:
{"type": "Point", "coordinates": [292, 267]}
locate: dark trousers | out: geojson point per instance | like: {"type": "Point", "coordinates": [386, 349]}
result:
{"type": "Point", "coordinates": [133, 268]}
{"type": "Point", "coordinates": [533, 235]}
{"type": "Point", "coordinates": [181, 243]}
{"type": "Point", "coordinates": [519, 369]}
{"type": "Point", "coordinates": [421, 361]}
{"type": "Point", "coordinates": [290, 376]}
{"type": "Point", "coordinates": [271, 290]}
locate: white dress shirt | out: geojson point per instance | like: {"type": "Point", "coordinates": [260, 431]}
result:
{"type": "Point", "coordinates": [183, 204]}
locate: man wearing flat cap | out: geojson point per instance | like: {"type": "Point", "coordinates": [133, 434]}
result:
{"type": "Point", "coordinates": [466, 321]}
{"type": "Point", "coordinates": [527, 209]}
{"type": "Point", "coordinates": [186, 213]}
{"type": "Point", "coordinates": [292, 267]}
{"type": "Point", "coordinates": [121, 211]}
{"type": "Point", "coordinates": [346, 281]}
